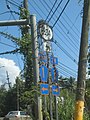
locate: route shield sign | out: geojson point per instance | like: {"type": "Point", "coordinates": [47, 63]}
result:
{"type": "Point", "coordinates": [54, 74]}
{"type": "Point", "coordinates": [55, 90]}
{"type": "Point", "coordinates": [54, 60]}
{"type": "Point", "coordinates": [43, 56]}
{"type": "Point", "coordinates": [43, 73]}
{"type": "Point", "coordinates": [44, 88]}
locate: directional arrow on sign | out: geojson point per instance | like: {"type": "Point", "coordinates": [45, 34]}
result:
{"type": "Point", "coordinates": [44, 89]}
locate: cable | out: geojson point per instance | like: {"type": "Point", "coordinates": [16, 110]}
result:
{"type": "Point", "coordinates": [51, 10]}
{"type": "Point", "coordinates": [38, 7]}
{"type": "Point", "coordinates": [8, 6]}
{"type": "Point", "coordinates": [11, 52]}
{"type": "Point", "coordinates": [69, 20]}
{"type": "Point", "coordinates": [13, 3]}
{"type": "Point", "coordinates": [65, 52]}
{"type": "Point", "coordinates": [67, 71]}
{"type": "Point", "coordinates": [35, 10]}
{"type": "Point", "coordinates": [64, 73]}
{"type": "Point", "coordinates": [68, 67]}
{"type": "Point", "coordinates": [61, 13]}
{"type": "Point", "coordinates": [55, 10]}
{"type": "Point", "coordinates": [7, 44]}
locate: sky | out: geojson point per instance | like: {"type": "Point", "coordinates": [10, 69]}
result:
{"type": "Point", "coordinates": [67, 33]}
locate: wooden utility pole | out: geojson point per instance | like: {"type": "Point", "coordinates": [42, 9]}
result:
{"type": "Point", "coordinates": [79, 108]}
{"type": "Point", "coordinates": [35, 58]}
{"type": "Point", "coordinates": [17, 87]}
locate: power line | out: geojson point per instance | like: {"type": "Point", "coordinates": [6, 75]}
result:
{"type": "Point", "coordinates": [69, 55]}
{"type": "Point", "coordinates": [8, 7]}
{"type": "Point", "coordinates": [13, 4]}
{"type": "Point", "coordinates": [35, 9]}
{"type": "Point", "coordinates": [69, 20]}
{"type": "Point", "coordinates": [7, 44]}
{"type": "Point", "coordinates": [67, 71]}
{"type": "Point", "coordinates": [68, 67]}
{"type": "Point", "coordinates": [38, 7]}
{"type": "Point", "coordinates": [55, 10]}
{"type": "Point", "coordinates": [61, 13]}
{"type": "Point", "coordinates": [51, 9]}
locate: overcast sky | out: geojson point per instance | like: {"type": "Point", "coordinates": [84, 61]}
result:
{"type": "Point", "coordinates": [8, 66]}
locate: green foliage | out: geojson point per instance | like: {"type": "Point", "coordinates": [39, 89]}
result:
{"type": "Point", "coordinates": [3, 93]}
{"type": "Point", "coordinates": [66, 109]}
{"type": "Point", "coordinates": [87, 99]}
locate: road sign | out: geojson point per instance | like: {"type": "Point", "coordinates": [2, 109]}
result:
{"type": "Point", "coordinates": [45, 30]}
{"type": "Point", "coordinates": [43, 56]}
{"type": "Point", "coordinates": [44, 88]}
{"type": "Point", "coordinates": [55, 90]}
{"type": "Point", "coordinates": [54, 60]}
{"type": "Point", "coordinates": [54, 74]}
{"type": "Point", "coordinates": [43, 73]}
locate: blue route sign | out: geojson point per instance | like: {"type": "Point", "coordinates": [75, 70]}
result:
{"type": "Point", "coordinates": [55, 90]}
{"type": "Point", "coordinates": [43, 73]}
{"type": "Point", "coordinates": [43, 56]}
{"type": "Point", "coordinates": [44, 88]}
{"type": "Point", "coordinates": [54, 74]}
{"type": "Point", "coordinates": [54, 60]}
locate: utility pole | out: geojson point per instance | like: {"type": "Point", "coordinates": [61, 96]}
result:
{"type": "Point", "coordinates": [35, 58]}
{"type": "Point", "coordinates": [8, 80]}
{"type": "Point", "coordinates": [79, 108]}
{"type": "Point", "coordinates": [17, 87]}
{"type": "Point", "coordinates": [56, 107]}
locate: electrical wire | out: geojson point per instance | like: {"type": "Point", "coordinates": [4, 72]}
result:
{"type": "Point", "coordinates": [35, 9]}
{"type": "Point", "coordinates": [8, 7]}
{"type": "Point", "coordinates": [69, 20]}
{"type": "Point", "coordinates": [68, 67]}
{"type": "Point", "coordinates": [7, 44]}
{"type": "Point", "coordinates": [55, 11]}
{"type": "Point", "coordinates": [68, 54]}
{"type": "Point", "coordinates": [62, 67]}
{"type": "Point", "coordinates": [51, 10]}
{"type": "Point", "coordinates": [38, 7]}
{"type": "Point", "coordinates": [13, 4]}
{"type": "Point", "coordinates": [67, 71]}
{"type": "Point", "coordinates": [61, 13]}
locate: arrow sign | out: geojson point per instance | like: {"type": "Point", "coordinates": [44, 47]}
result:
{"type": "Point", "coordinates": [54, 60]}
{"type": "Point", "coordinates": [44, 89]}
{"type": "Point", "coordinates": [43, 73]}
{"type": "Point", "coordinates": [54, 74]}
{"type": "Point", "coordinates": [55, 90]}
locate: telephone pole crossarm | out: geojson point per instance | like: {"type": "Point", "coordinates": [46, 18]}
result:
{"type": "Point", "coordinates": [15, 22]}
